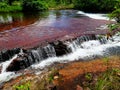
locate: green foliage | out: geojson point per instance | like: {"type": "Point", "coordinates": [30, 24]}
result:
{"type": "Point", "coordinates": [16, 3]}
{"type": "Point", "coordinates": [7, 8]}
{"type": "Point", "coordinates": [85, 5]}
{"type": "Point", "coordinates": [34, 5]}
{"type": "Point", "coordinates": [94, 5]}
{"type": "Point", "coordinates": [108, 80]}
{"type": "Point", "coordinates": [51, 77]}
{"type": "Point", "coordinates": [52, 74]}
{"type": "Point", "coordinates": [116, 13]}
{"type": "Point", "coordinates": [26, 86]}
{"type": "Point", "coordinates": [88, 76]}
{"type": "Point", "coordinates": [59, 4]}
{"type": "Point", "coordinates": [113, 27]}
{"type": "Point", "coordinates": [10, 2]}
{"type": "Point", "coordinates": [3, 5]}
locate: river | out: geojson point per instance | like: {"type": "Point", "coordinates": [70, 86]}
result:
{"type": "Point", "coordinates": [17, 28]}
{"type": "Point", "coordinates": [51, 26]}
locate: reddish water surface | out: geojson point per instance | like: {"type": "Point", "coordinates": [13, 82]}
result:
{"type": "Point", "coordinates": [34, 30]}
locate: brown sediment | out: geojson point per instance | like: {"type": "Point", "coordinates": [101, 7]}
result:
{"type": "Point", "coordinates": [74, 72]}
{"type": "Point", "coordinates": [33, 35]}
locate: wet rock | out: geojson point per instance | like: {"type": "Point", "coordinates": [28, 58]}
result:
{"type": "Point", "coordinates": [21, 62]}
{"type": "Point", "coordinates": [60, 48]}
{"type": "Point", "coordinates": [7, 54]}
{"type": "Point", "coordinates": [0, 68]}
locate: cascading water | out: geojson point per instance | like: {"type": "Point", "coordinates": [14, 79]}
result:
{"type": "Point", "coordinates": [77, 43]}
{"type": "Point", "coordinates": [83, 48]}
{"type": "Point", "coordinates": [42, 53]}
{"type": "Point", "coordinates": [50, 51]}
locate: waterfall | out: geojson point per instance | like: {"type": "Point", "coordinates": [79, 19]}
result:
{"type": "Point", "coordinates": [77, 43]}
{"type": "Point", "coordinates": [43, 53]}
{"type": "Point", "coordinates": [50, 51]}
{"type": "Point", "coordinates": [5, 64]}
{"type": "Point", "coordinates": [82, 48]}
{"type": "Point", "coordinates": [26, 58]}
{"type": "Point", "coordinates": [36, 55]}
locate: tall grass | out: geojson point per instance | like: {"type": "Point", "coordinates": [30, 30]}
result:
{"type": "Point", "coordinates": [110, 80]}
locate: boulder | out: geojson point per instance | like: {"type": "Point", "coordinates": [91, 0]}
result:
{"type": "Point", "coordinates": [21, 62]}
{"type": "Point", "coordinates": [7, 54]}
{"type": "Point", "coordinates": [60, 48]}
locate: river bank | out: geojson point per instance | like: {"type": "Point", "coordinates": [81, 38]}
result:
{"type": "Point", "coordinates": [76, 75]}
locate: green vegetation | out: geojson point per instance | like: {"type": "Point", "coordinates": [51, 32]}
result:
{"type": "Point", "coordinates": [25, 86]}
{"type": "Point", "coordinates": [116, 13]}
{"type": "Point", "coordinates": [109, 80]}
{"type": "Point", "coordinates": [40, 5]}
{"type": "Point", "coordinates": [34, 5]}
{"type": "Point", "coordinates": [4, 7]}
{"type": "Point", "coordinates": [113, 27]}
{"type": "Point", "coordinates": [95, 5]}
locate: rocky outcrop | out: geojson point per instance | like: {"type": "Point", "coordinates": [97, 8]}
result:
{"type": "Point", "coordinates": [29, 57]}
{"type": "Point", "coordinates": [35, 55]}
{"type": "Point", "coordinates": [19, 63]}
{"type": "Point", "coordinates": [60, 48]}
{"type": "Point", "coordinates": [7, 54]}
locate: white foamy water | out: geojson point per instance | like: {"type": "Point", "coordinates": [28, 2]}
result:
{"type": "Point", "coordinates": [90, 50]}
{"type": "Point", "coordinates": [6, 76]}
{"type": "Point", "coordinates": [95, 16]}
{"type": "Point", "coordinates": [6, 63]}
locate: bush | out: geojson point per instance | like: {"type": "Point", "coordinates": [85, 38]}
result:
{"type": "Point", "coordinates": [3, 5]}
{"type": "Point", "coordinates": [6, 8]}
{"type": "Point", "coordinates": [33, 5]}
{"type": "Point", "coordinates": [95, 5]}
{"type": "Point", "coordinates": [116, 13]}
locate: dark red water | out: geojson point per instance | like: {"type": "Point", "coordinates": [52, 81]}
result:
{"type": "Point", "coordinates": [32, 30]}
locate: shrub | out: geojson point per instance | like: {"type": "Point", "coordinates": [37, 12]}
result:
{"type": "Point", "coordinates": [34, 5]}
{"type": "Point", "coordinates": [95, 5]}
{"type": "Point", "coordinates": [6, 8]}
{"type": "Point", "coordinates": [115, 15]}
{"type": "Point", "coordinates": [3, 5]}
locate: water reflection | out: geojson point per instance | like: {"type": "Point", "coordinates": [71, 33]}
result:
{"type": "Point", "coordinates": [57, 18]}
{"type": "Point", "coordinates": [14, 20]}
{"type": "Point", "coordinates": [53, 18]}
{"type": "Point", "coordinates": [10, 17]}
